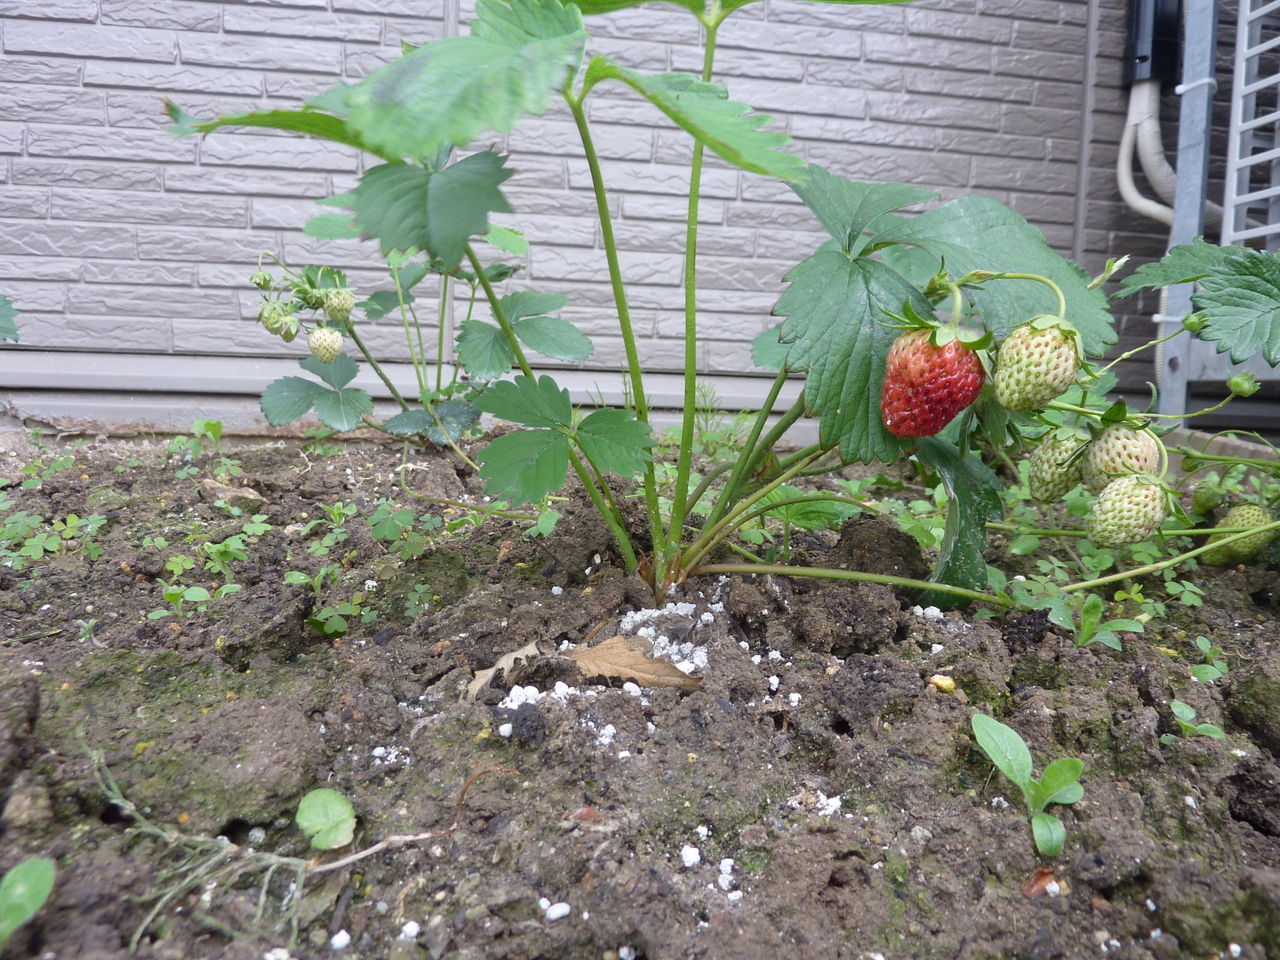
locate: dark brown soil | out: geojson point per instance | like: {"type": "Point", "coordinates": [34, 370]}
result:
{"type": "Point", "coordinates": [218, 721]}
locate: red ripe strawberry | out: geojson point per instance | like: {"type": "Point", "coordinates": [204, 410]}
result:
{"type": "Point", "coordinates": [925, 386]}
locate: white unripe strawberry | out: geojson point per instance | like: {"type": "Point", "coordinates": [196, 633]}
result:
{"type": "Point", "coordinates": [325, 344]}
{"type": "Point", "coordinates": [1035, 365]}
{"type": "Point", "coordinates": [1119, 451]}
{"type": "Point", "coordinates": [1053, 473]}
{"type": "Point", "coordinates": [1129, 510]}
{"type": "Point", "coordinates": [338, 304]}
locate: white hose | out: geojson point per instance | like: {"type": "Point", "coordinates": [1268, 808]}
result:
{"type": "Point", "coordinates": [1129, 190]}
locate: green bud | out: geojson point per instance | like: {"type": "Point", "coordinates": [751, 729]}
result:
{"type": "Point", "coordinates": [312, 297]}
{"type": "Point", "coordinates": [261, 279]}
{"type": "Point", "coordinates": [1244, 384]}
{"type": "Point", "coordinates": [289, 328]}
{"type": "Point", "coordinates": [271, 315]}
{"type": "Point", "coordinates": [1193, 323]}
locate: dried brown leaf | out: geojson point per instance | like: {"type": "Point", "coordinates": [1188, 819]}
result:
{"type": "Point", "coordinates": [504, 665]}
{"type": "Point", "coordinates": [631, 658]}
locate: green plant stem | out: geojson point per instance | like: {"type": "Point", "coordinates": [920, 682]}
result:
{"type": "Point", "coordinates": [1136, 350]}
{"type": "Point", "coordinates": [718, 531]}
{"type": "Point", "coordinates": [1013, 528]}
{"type": "Point", "coordinates": [634, 369]}
{"type": "Point", "coordinates": [789, 461]}
{"type": "Point", "coordinates": [500, 315]}
{"type": "Point", "coordinates": [355, 337]}
{"type": "Point", "coordinates": [709, 479]}
{"type": "Point", "coordinates": [1062, 300]}
{"type": "Point", "coordinates": [415, 356]}
{"type": "Point", "coordinates": [1271, 465]}
{"type": "Point", "coordinates": [824, 574]}
{"type": "Point", "coordinates": [748, 448]}
{"type": "Point", "coordinates": [762, 448]}
{"type": "Point", "coordinates": [679, 500]}
{"type": "Point", "coordinates": [1171, 562]}
{"type": "Point", "coordinates": [440, 338]}
{"type": "Point", "coordinates": [458, 504]}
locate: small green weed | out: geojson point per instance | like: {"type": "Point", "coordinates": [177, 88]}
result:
{"type": "Point", "coordinates": [23, 892]}
{"type": "Point", "coordinates": [1185, 715]}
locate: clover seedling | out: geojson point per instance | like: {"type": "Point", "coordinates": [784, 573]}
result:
{"type": "Point", "coordinates": [1059, 784]}
{"type": "Point", "coordinates": [23, 891]}
{"type": "Point", "coordinates": [1214, 667]}
{"type": "Point", "coordinates": [328, 818]}
{"type": "Point", "coordinates": [1185, 714]}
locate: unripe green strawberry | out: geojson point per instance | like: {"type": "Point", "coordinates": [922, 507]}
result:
{"type": "Point", "coordinates": [1034, 366]}
{"type": "Point", "coordinates": [325, 344]}
{"type": "Point", "coordinates": [312, 297]}
{"type": "Point", "coordinates": [271, 315]}
{"type": "Point", "coordinates": [1242, 551]}
{"type": "Point", "coordinates": [1129, 510]}
{"type": "Point", "coordinates": [289, 328]}
{"type": "Point", "coordinates": [1208, 497]}
{"type": "Point", "coordinates": [338, 304]}
{"type": "Point", "coordinates": [1119, 451]}
{"type": "Point", "coordinates": [1051, 476]}
{"type": "Point", "coordinates": [261, 279]}
{"type": "Point", "coordinates": [925, 385]}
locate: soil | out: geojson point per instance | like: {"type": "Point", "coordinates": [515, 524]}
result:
{"type": "Point", "coordinates": [817, 797]}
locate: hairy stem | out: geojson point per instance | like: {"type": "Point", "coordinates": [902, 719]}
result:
{"type": "Point", "coordinates": [824, 574]}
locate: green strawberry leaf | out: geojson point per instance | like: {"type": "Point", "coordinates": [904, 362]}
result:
{"type": "Point", "coordinates": [1185, 263]}
{"type": "Point", "coordinates": [1006, 748]}
{"type": "Point", "coordinates": [407, 206]}
{"type": "Point", "coordinates": [705, 111]}
{"type": "Point", "coordinates": [307, 120]}
{"type": "Point", "coordinates": [979, 233]}
{"type": "Point", "coordinates": [8, 313]}
{"type": "Point", "coordinates": [591, 8]}
{"type": "Point", "coordinates": [289, 399]}
{"type": "Point", "coordinates": [455, 417]}
{"type": "Point", "coordinates": [839, 335]}
{"type": "Point", "coordinates": [331, 226]}
{"type": "Point", "coordinates": [328, 818]}
{"type": "Point", "coordinates": [23, 892]}
{"type": "Point", "coordinates": [524, 467]}
{"type": "Point", "coordinates": [973, 498]}
{"type": "Point", "coordinates": [1241, 302]}
{"type": "Point", "coordinates": [847, 208]}
{"type": "Point", "coordinates": [539, 403]}
{"type": "Point", "coordinates": [615, 441]}
{"type": "Point", "coordinates": [508, 240]}
{"type": "Point", "coordinates": [768, 350]}
{"type": "Point", "coordinates": [554, 338]}
{"type": "Point", "coordinates": [451, 90]}
{"type": "Point", "coordinates": [383, 302]}
{"type": "Point", "coordinates": [342, 410]}
{"type": "Point", "coordinates": [812, 515]}
{"type": "Point", "coordinates": [483, 350]}
{"type": "Point", "coordinates": [337, 374]}
{"type": "Point", "coordinates": [526, 303]}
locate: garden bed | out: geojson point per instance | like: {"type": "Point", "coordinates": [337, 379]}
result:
{"type": "Point", "coordinates": [816, 797]}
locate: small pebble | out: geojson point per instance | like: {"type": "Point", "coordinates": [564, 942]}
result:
{"type": "Point", "coordinates": [409, 931]}
{"type": "Point", "coordinates": [558, 911]}
{"type": "Point", "coordinates": [556, 591]}
{"type": "Point", "coordinates": [340, 940]}
{"type": "Point", "coordinates": [690, 856]}
{"type": "Point", "coordinates": [504, 731]}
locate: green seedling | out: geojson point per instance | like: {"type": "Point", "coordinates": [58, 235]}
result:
{"type": "Point", "coordinates": [545, 524]}
{"type": "Point", "coordinates": [328, 818]}
{"type": "Point", "coordinates": [1059, 784]}
{"type": "Point", "coordinates": [316, 583]}
{"type": "Point", "coordinates": [158, 542]}
{"type": "Point", "coordinates": [1185, 715]}
{"type": "Point", "coordinates": [335, 518]}
{"type": "Point", "coordinates": [86, 629]}
{"type": "Point", "coordinates": [418, 601]}
{"type": "Point", "coordinates": [177, 596]}
{"type": "Point", "coordinates": [332, 620]}
{"type": "Point", "coordinates": [205, 433]}
{"type": "Point", "coordinates": [394, 525]}
{"type": "Point", "coordinates": [179, 564]}
{"type": "Point", "coordinates": [225, 469]}
{"type": "Point", "coordinates": [256, 525]}
{"type": "Point", "coordinates": [1214, 667]}
{"type": "Point", "coordinates": [221, 555]}
{"type": "Point", "coordinates": [23, 892]}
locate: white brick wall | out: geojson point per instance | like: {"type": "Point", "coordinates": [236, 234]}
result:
{"type": "Point", "coordinates": [116, 236]}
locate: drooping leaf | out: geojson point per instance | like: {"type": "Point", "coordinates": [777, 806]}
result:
{"type": "Point", "coordinates": [8, 314]}
{"type": "Point", "coordinates": [337, 374]}
{"type": "Point", "coordinates": [1184, 263]}
{"type": "Point", "coordinates": [839, 335]}
{"type": "Point", "coordinates": [455, 416]}
{"type": "Point", "coordinates": [527, 303]}
{"type": "Point", "coordinates": [451, 90]}
{"type": "Point", "coordinates": [1049, 834]}
{"type": "Point", "coordinates": [331, 226]}
{"type": "Point", "coordinates": [308, 121]}
{"type": "Point", "coordinates": [1007, 750]}
{"type": "Point", "coordinates": [413, 273]}
{"type": "Point", "coordinates": [615, 441]}
{"type": "Point", "coordinates": [540, 403]}
{"type": "Point", "coordinates": [342, 410]}
{"type": "Point", "coordinates": [980, 233]}
{"type": "Point", "coordinates": [730, 129]}
{"type": "Point", "coordinates": [405, 206]}
{"type": "Point", "coordinates": [973, 498]}
{"type": "Point", "coordinates": [554, 338]}
{"type": "Point", "coordinates": [483, 351]}
{"type": "Point", "coordinates": [1241, 301]}
{"type": "Point", "coordinates": [846, 207]}
{"type": "Point", "coordinates": [328, 818]}
{"type": "Point", "coordinates": [382, 302]}
{"type": "Point", "coordinates": [289, 399]}
{"type": "Point", "coordinates": [524, 467]}
{"type": "Point", "coordinates": [810, 515]}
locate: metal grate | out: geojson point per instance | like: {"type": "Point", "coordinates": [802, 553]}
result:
{"type": "Point", "coordinates": [1252, 201]}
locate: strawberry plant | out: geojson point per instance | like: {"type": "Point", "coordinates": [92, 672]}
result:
{"type": "Point", "coordinates": [915, 335]}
